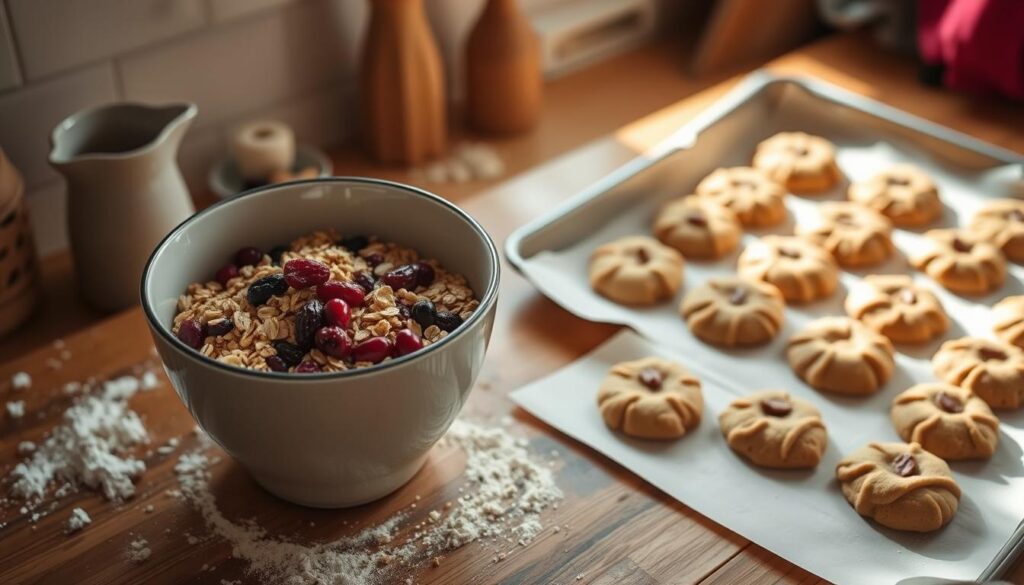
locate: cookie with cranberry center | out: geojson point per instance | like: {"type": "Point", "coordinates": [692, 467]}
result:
{"type": "Point", "coordinates": [774, 429]}
{"type": "Point", "coordinates": [992, 370]}
{"type": "Point", "coordinates": [698, 227]}
{"type": "Point", "coordinates": [900, 486]}
{"type": "Point", "coordinates": [802, 162]}
{"type": "Point", "coordinates": [651, 398]}
{"type": "Point", "coordinates": [898, 308]}
{"type": "Point", "coordinates": [636, 270]}
{"type": "Point", "coordinates": [756, 199]}
{"type": "Point", "coordinates": [732, 311]}
{"type": "Point", "coordinates": [802, 270]}
{"type": "Point", "coordinates": [946, 420]}
{"type": "Point", "coordinates": [903, 193]}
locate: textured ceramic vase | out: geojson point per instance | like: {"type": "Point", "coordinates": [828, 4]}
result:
{"type": "Point", "coordinates": [125, 192]}
{"type": "Point", "coordinates": [19, 283]}
{"type": "Point", "coordinates": [403, 93]}
{"type": "Point", "coordinates": [504, 86]}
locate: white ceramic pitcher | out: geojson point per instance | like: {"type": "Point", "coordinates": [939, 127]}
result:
{"type": "Point", "coordinates": [125, 192]}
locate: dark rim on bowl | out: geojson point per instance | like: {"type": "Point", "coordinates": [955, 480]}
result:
{"type": "Point", "coordinates": [488, 298]}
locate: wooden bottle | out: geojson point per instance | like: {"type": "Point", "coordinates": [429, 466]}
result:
{"type": "Point", "coordinates": [403, 91]}
{"type": "Point", "coordinates": [503, 71]}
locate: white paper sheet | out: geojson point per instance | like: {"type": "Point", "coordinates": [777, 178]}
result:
{"type": "Point", "coordinates": [801, 516]}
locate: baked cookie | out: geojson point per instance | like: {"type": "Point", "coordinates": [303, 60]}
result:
{"type": "Point", "coordinates": [841, 355]}
{"type": "Point", "coordinates": [1008, 315]}
{"type": "Point", "coordinates": [698, 227]}
{"type": "Point", "coordinates": [650, 398]}
{"type": "Point", "coordinates": [948, 421]}
{"type": "Point", "coordinates": [756, 199]}
{"type": "Point", "coordinates": [733, 311]}
{"type": "Point", "coordinates": [899, 485]}
{"type": "Point", "coordinates": [903, 193]}
{"type": "Point", "coordinates": [802, 270]}
{"type": "Point", "coordinates": [992, 370]}
{"type": "Point", "coordinates": [855, 235]}
{"type": "Point", "coordinates": [1002, 223]}
{"type": "Point", "coordinates": [801, 162]}
{"type": "Point", "coordinates": [636, 270]}
{"type": "Point", "coordinates": [896, 307]}
{"type": "Point", "coordinates": [773, 429]}
{"type": "Point", "coordinates": [961, 262]}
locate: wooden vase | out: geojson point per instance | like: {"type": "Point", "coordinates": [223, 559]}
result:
{"type": "Point", "coordinates": [403, 91]}
{"type": "Point", "coordinates": [504, 86]}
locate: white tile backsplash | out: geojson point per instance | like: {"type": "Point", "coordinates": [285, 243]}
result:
{"type": "Point", "coordinates": [55, 35]}
{"type": "Point", "coordinates": [10, 74]}
{"type": "Point", "coordinates": [291, 60]}
{"type": "Point", "coordinates": [29, 115]}
{"type": "Point", "coordinates": [243, 66]}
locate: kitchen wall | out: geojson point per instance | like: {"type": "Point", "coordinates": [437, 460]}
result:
{"type": "Point", "coordinates": [294, 60]}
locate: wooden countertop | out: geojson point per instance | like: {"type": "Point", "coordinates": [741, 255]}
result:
{"type": "Point", "coordinates": [621, 530]}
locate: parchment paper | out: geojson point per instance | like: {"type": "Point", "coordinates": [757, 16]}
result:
{"type": "Point", "coordinates": [801, 516]}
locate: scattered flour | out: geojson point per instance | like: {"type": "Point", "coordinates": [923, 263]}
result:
{"type": "Point", "coordinates": [77, 521]}
{"type": "Point", "coordinates": [88, 448]}
{"type": "Point", "coordinates": [149, 380]}
{"type": "Point", "coordinates": [16, 408]}
{"type": "Point", "coordinates": [26, 447]}
{"type": "Point", "coordinates": [138, 550]}
{"type": "Point", "coordinates": [511, 490]}
{"type": "Point", "coordinates": [21, 381]}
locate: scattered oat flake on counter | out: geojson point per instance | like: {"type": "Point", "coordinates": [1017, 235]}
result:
{"type": "Point", "coordinates": [77, 521]}
{"type": "Point", "coordinates": [16, 408]}
{"type": "Point", "coordinates": [21, 381]}
{"type": "Point", "coordinates": [138, 550]}
{"type": "Point", "coordinates": [508, 489]}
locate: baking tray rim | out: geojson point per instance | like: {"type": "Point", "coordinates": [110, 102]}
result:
{"type": "Point", "coordinates": [755, 83]}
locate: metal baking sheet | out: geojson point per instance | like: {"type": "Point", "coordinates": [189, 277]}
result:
{"type": "Point", "coordinates": [551, 251]}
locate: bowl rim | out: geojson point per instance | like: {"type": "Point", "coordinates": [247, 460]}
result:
{"type": "Point", "coordinates": [487, 300]}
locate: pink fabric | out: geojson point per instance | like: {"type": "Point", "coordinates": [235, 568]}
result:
{"type": "Point", "coordinates": [980, 43]}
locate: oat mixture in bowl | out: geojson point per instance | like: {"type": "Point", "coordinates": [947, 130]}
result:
{"type": "Point", "coordinates": [323, 303]}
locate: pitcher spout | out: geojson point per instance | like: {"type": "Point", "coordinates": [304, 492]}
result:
{"type": "Point", "coordinates": [119, 131]}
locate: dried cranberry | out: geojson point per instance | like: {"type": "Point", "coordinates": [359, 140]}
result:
{"type": "Point", "coordinates": [303, 273]}
{"type": "Point", "coordinates": [653, 378]}
{"type": "Point", "coordinates": [337, 312]}
{"type": "Point", "coordinates": [423, 312]}
{"type": "Point", "coordinates": [424, 274]}
{"type": "Point", "coordinates": [778, 407]}
{"type": "Point", "coordinates": [276, 364]}
{"type": "Point", "coordinates": [350, 292]}
{"type": "Point", "coordinates": [373, 350]}
{"type": "Point", "coordinates": [260, 291]}
{"type": "Point", "coordinates": [334, 341]}
{"type": "Point", "coordinates": [905, 465]}
{"type": "Point", "coordinates": [248, 256]}
{"type": "Point", "coordinates": [354, 243]}
{"type": "Point", "coordinates": [407, 342]}
{"type": "Point", "coordinates": [289, 353]}
{"type": "Point", "coordinates": [447, 321]}
{"type": "Point", "coordinates": [226, 273]}
{"type": "Point", "coordinates": [307, 367]}
{"type": "Point", "coordinates": [367, 281]}
{"type": "Point", "coordinates": [308, 320]}
{"type": "Point", "coordinates": [374, 259]}
{"type": "Point", "coordinates": [219, 327]}
{"type": "Point", "coordinates": [276, 252]}
{"type": "Point", "coordinates": [404, 276]}
{"type": "Point", "coordinates": [191, 333]}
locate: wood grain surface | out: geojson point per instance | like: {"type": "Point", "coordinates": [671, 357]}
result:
{"type": "Point", "coordinates": [614, 528]}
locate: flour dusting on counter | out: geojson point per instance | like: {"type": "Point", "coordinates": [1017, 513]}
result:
{"type": "Point", "coordinates": [506, 492]}
{"type": "Point", "coordinates": [90, 448]}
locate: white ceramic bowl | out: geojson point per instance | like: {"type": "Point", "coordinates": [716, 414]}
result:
{"type": "Point", "coordinates": [326, 440]}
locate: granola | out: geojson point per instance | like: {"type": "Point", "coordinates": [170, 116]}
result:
{"type": "Point", "coordinates": [220, 320]}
